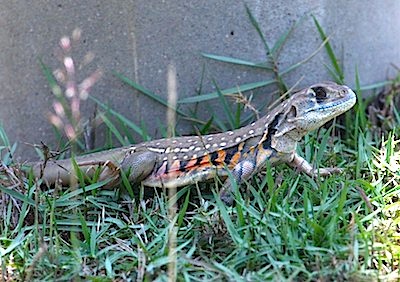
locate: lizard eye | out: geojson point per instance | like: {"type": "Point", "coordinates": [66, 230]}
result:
{"type": "Point", "coordinates": [320, 93]}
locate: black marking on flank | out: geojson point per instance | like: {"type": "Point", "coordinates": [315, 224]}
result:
{"type": "Point", "coordinates": [157, 167]}
{"type": "Point", "coordinates": [198, 161]}
{"type": "Point", "coordinates": [182, 165]}
{"type": "Point", "coordinates": [229, 153]}
{"type": "Point", "coordinates": [214, 157]}
{"type": "Point", "coordinates": [166, 168]}
{"type": "Point", "coordinates": [271, 131]}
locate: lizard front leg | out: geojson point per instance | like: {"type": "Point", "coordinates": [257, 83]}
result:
{"type": "Point", "coordinates": [246, 168]}
{"type": "Point", "coordinates": [302, 165]}
{"type": "Point", "coordinates": [241, 172]}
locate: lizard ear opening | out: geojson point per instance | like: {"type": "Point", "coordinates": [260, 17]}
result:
{"type": "Point", "coordinates": [292, 113]}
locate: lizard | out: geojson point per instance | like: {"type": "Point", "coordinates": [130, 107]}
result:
{"type": "Point", "coordinates": [232, 156]}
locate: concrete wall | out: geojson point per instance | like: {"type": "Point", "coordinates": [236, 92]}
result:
{"type": "Point", "coordinates": [140, 39]}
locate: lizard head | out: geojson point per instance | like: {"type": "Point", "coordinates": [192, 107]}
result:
{"type": "Point", "coordinates": [314, 106]}
{"type": "Point", "coordinates": [308, 110]}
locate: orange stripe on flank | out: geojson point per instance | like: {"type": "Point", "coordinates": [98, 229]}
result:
{"type": "Point", "coordinates": [191, 163]}
{"type": "Point", "coordinates": [205, 160]}
{"type": "Point", "coordinates": [175, 166]}
{"type": "Point", "coordinates": [221, 157]}
{"type": "Point", "coordinates": [235, 159]}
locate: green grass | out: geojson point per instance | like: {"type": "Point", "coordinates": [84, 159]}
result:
{"type": "Point", "coordinates": [284, 226]}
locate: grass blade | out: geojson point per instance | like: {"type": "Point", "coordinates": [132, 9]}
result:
{"type": "Point", "coordinates": [225, 106]}
{"type": "Point", "coordinates": [236, 61]}
{"type": "Point", "coordinates": [258, 29]}
{"type": "Point", "coordinates": [148, 93]}
{"type": "Point", "coordinates": [123, 119]}
{"type": "Point", "coordinates": [229, 91]}
{"type": "Point", "coordinates": [331, 54]}
{"type": "Point", "coordinates": [228, 221]}
{"type": "Point", "coordinates": [17, 195]}
{"type": "Point", "coordinates": [284, 37]}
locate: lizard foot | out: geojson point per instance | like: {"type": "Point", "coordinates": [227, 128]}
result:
{"type": "Point", "coordinates": [328, 171]}
{"type": "Point", "coordinates": [302, 165]}
{"type": "Point", "coordinates": [108, 170]}
{"type": "Point", "coordinates": [226, 197]}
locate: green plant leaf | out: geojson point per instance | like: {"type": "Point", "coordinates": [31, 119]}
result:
{"type": "Point", "coordinates": [233, 90]}
{"type": "Point", "coordinates": [237, 61]}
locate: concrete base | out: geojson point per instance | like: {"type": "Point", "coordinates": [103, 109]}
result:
{"type": "Point", "coordinates": [141, 38]}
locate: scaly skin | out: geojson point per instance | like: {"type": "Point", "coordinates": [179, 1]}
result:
{"type": "Point", "coordinates": [180, 161]}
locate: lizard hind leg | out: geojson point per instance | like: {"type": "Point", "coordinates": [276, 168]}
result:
{"type": "Point", "coordinates": [139, 165]}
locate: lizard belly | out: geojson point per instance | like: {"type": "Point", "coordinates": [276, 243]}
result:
{"type": "Point", "coordinates": [177, 178]}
